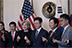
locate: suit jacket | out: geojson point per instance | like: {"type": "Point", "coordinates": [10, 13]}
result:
{"type": "Point", "coordinates": [37, 42]}
{"type": "Point", "coordinates": [2, 43]}
{"type": "Point", "coordinates": [9, 42]}
{"type": "Point", "coordinates": [67, 35]}
{"type": "Point", "coordinates": [56, 35]}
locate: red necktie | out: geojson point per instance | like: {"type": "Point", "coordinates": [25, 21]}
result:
{"type": "Point", "coordinates": [51, 34]}
{"type": "Point", "coordinates": [13, 38]}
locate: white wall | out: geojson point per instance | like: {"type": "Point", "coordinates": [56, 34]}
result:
{"type": "Point", "coordinates": [70, 7]}
{"type": "Point", "coordinates": [65, 5]}
{"type": "Point", "coordinates": [11, 10]}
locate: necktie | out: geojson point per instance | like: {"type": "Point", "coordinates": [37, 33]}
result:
{"type": "Point", "coordinates": [51, 34]}
{"type": "Point", "coordinates": [13, 38]}
{"type": "Point", "coordinates": [36, 34]}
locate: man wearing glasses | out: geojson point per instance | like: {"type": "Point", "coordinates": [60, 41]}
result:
{"type": "Point", "coordinates": [66, 38]}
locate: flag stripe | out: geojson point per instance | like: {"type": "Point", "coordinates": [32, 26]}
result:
{"type": "Point", "coordinates": [31, 25]}
{"type": "Point", "coordinates": [33, 16]}
{"type": "Point", "coordinates": [31, 22]}
{"type": "Point", "coordinates": [21, 18]}
{"type": "Point", "coordinates": [19, 25]}
{"type": "Point", "coordinates": [17, 28]}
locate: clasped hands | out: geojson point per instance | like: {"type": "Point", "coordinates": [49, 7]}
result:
{"type": "Point", "coordinates": [26, 38]}
{"type": "Point", "coordinates": [54, 40]}
{"type": "Point", "coordinates": [63, 40]}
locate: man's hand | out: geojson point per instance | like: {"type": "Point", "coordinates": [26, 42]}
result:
{"type": "Point", "coordinates": [64, 40]}
{"type": "Point", "coordinates": [3, 37]}
{"type": "Point", "coordinates": [27, 41]}
{"type": "Point", "coordinates": [18, 38]}
{"type": "Point", "coordinates": [55, 41]}
{"type": "Point", "coordinates": [2, 31]}
{"type": "Point", "coordinates": [44, 39]}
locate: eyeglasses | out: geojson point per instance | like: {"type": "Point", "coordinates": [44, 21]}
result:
{"type": "Point", "coordinates": [1, 25]}
{"type": "Point", "coordinates": [60, 20]}
{"type": "Point", "coordinates": [36, 23]}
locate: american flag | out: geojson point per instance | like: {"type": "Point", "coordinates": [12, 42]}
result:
{"type": "Point", "coordinates": [27, 14]}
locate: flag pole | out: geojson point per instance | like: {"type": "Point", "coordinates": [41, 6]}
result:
{"type": "Point", "coordinates": [32, 3]}
{"type": "Point", "coordinates": [32, 7]}
{"type": "Point", "coordinates": [68, 8]}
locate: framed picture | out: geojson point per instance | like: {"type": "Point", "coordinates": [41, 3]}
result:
{"type": "Point", "coordinates": [1, 10]}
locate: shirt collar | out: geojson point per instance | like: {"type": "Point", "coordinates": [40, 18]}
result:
{"type": "Point", "coordinates": [39, 29]}
{"type": "Point", "coordinates": [14, 32]}
{"type": "Point", "coordinates": [66, 27]}
{"type": "Point", "coordinates": [54, 29]}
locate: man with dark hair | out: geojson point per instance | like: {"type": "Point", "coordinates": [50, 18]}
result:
{"type": "Point", "coordinates": [55, 20]}
{"type": "Point", "coordinates": [54, 33]}
{"type": "Point", "coordinates": [38, 18]}
{"type": "Point", "coordinates": [12, 23]}
{"type": "Point", "coordinates": [11, 37]}
{"type": "Point", "coordinates": [66, 38]}
{"type": "Point", "coordinates": [37, 34]}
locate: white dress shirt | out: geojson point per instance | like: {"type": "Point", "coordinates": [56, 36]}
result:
{"type": "Point", "coordinates": [39, 30]}
{"type": "Point", "coordinates": [54, 29]}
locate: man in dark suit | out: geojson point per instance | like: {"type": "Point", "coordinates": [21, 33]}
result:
{"type": "Point", "coordinates": [11, 37]}
{"type": "Point", "coordinates": [66, 38]}
{"type": "Point", "coordinates": [36, 37]}
{"type": "Point", "coordinates": [54, 33]}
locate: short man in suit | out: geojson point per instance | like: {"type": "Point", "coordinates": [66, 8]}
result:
{"type": "Point", "coordinates": [66, 39]}
{"type": "Point", "coordinates": [11, 37]}
{"type": "Point", "coordinates": [38, 33]}
{"type": "Point", "coordinates": [54, 33]}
